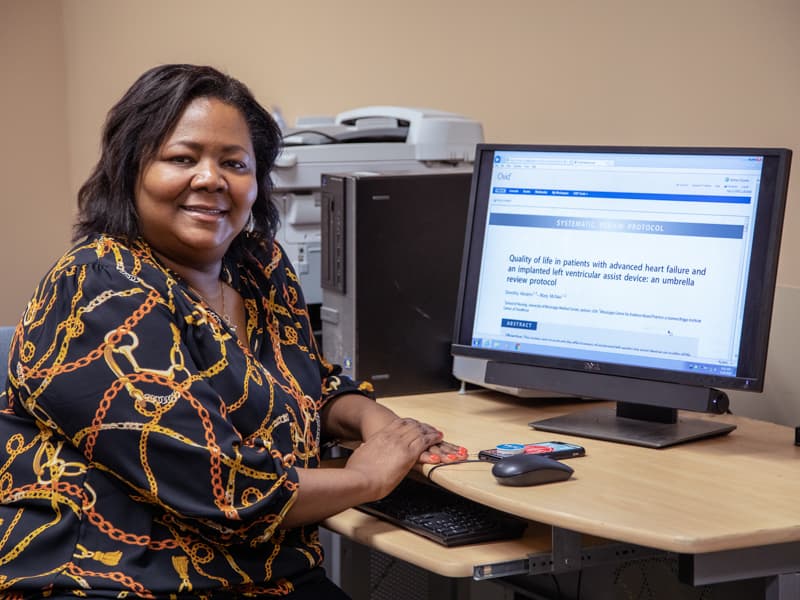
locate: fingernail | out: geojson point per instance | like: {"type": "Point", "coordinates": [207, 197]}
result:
{"type": "Point", "coordinates": [452, 456]}
{"type": "Point", "coordinates": [462, 450]}
{"type": "Point", "coordinates": [436, 458]}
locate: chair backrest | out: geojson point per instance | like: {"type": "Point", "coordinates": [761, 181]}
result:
{"type": "Point", "coordinates": [6, 333]}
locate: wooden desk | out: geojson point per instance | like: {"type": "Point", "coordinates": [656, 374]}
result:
{"type": "Point", "coordinates": [730, 506]}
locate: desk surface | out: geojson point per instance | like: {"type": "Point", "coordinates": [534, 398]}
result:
{"type": "Point", "coordinates": [735, 491]}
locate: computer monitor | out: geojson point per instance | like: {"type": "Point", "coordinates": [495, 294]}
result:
{"type": "Point", "coordinates": [641, 275]}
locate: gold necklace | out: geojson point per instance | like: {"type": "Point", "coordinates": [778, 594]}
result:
{"type": "Point", "coordinates": [225, 316]}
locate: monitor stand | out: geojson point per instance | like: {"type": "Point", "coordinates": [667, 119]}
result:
{"type": "Point", "coordinates": [629, 424]}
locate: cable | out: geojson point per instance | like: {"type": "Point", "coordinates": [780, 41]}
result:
{"type": "Point", "coordinates": [328, 137]}
{"type": "Point", "coordinates": [558, 587]}
{"type": "Point", "coordinates": [461, 462]}
{"type": "Point", "coordinates": [379, 579]}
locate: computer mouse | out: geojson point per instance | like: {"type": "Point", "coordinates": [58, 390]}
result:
{"type": "Point", "coordinates": [530, 469]}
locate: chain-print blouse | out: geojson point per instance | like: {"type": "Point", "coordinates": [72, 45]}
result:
{"type": "Point", "coordinates": [145, 451]}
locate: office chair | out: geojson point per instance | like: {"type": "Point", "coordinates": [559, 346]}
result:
{"type": "Point", "coordinates": [6, 333]}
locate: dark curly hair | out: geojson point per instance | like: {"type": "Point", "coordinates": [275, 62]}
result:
{"type": "Point", "coordinates": [136, 127]}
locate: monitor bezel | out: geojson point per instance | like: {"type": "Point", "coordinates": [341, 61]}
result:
{"type": "Point", "coordinates": [759, 295]}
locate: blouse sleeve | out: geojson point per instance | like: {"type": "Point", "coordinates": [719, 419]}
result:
{"type": "Point", "coordinates": [103, 363]}
{"type": "Point", "coordinates": [334, 383]}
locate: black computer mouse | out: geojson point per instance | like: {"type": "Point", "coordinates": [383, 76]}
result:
{"type": "Point", "coordinates": [530, 469]}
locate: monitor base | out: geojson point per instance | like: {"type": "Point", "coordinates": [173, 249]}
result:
{"type": "Point", "coordinates": [604, 424]}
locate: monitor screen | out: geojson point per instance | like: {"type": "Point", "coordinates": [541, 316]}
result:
{"type": "Point", "coordinates": [643, 275]}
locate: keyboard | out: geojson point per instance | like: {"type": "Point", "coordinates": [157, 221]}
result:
{"type": "Point", "coordinates": [442, 516]}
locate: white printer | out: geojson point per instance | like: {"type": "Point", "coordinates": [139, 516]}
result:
{"type": "Point", "coordinates": [374, 138]}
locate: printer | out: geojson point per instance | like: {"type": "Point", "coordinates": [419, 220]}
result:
{"type": "Point", "coordinates": [373, 138]}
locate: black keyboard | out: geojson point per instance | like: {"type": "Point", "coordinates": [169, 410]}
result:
{"type": "Point", "coordinates": [444, 517]}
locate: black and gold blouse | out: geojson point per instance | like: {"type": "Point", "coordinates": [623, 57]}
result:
{"type": "Point", "coordinates": [146, 452]}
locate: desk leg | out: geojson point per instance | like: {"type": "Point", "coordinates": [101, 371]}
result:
{"type": "Point", "coordinates": [783, 587]}
{"type": "Point", "coordinates": [566, 548]}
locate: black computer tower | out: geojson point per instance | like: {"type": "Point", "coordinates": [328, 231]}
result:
{"type": "Point", "coordinates": [391, 257]}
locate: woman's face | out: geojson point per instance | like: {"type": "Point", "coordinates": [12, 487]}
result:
{"type": "Point", "coordinates": [194, 197]}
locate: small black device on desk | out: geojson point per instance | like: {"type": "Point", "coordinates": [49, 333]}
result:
{"type": "Point", "coordinates": [442, 516]}
{"type": "Point", "coordinates": [551, 449]}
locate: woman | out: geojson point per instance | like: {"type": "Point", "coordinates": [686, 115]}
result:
{"type": "Point", "coordinates": [167, 402]}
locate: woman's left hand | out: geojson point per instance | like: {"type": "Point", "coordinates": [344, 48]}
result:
{"type": "Point", "coordinates": [443, 452]}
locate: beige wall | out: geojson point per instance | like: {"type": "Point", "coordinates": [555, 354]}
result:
{"type": "Point", "coordinates": [693, 72]}
{"type": "Point", "coordinates": [37, 203]}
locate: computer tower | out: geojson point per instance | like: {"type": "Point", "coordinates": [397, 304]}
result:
{"type": "Point", "coordinates": [391, 257]}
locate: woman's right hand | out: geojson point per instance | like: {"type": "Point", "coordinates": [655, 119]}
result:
{"type": "Point", "coordinates": [390, 447]}
{"type": "Point", "coordinates": [372, 471]}
{"type": "Point", "coordinates": [390, 453]}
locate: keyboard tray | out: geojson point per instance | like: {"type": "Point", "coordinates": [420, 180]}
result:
{"type": "Point", "coordinates": [442, 516]}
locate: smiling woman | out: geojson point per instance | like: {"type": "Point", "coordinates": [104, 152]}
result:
{"type": "Point", "coordinates": [196, 195]}
{"type": "Point", "coordinates": [166, 403]}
